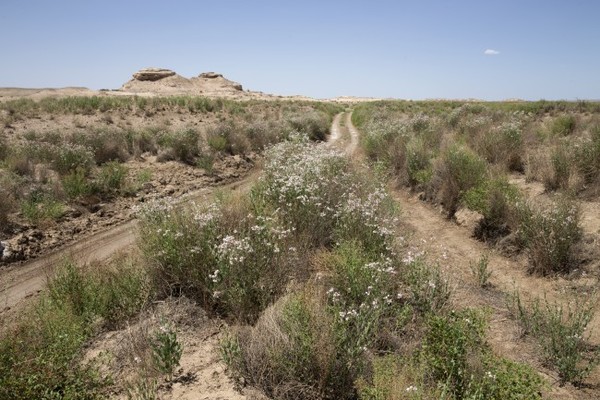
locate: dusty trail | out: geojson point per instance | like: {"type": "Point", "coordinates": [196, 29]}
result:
{"type": "Point", "coordinates": [453, 248]}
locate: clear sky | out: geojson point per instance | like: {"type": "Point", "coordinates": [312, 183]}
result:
{"type": "Point", "coordinates": [528, 49]}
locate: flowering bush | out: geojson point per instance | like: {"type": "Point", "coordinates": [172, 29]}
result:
{"type": "Point", "coordinates": [549, 234]}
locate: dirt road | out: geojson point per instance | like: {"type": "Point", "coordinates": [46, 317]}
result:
{"type": "Point", "coordinates": [18, 282]}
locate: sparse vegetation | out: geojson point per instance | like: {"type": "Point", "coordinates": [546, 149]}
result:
{"type": "Point", "coordinates": [322, 296]}
{"type": "Point", "coordinates": [561, 332]}
{"type": "Point", "coordinates": [41, 354]}
{"type": "Point", "coordinates": [481, 271]}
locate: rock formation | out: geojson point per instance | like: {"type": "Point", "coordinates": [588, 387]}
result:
{"type": "Point", "coordinates": [163, 81]}
{"type": "Point", "coordinates": [152, 74]}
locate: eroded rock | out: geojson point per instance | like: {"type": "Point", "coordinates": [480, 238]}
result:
{"type": "Point", "coordinates": [152, 74]}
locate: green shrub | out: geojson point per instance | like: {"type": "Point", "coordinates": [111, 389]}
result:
{"type": "Point", "coordinates": [429, 291]}
{"type": "Point", "coordinates": [7, 206]}
{"type": "Point", "coordinates": [142, 141]}
{"type": "Point", "coordinates": [563, 125]}
{"type": "Point", "coordinates": [456, 355]}
{"type": "Point", "coordinates": [40, 206]}
{"type": "Point", "coordinates": [561, 331]}
{"type": "Point", "coordinates": [106, 145]}
{"type": "Point", "coordinates": [587, 157]}
{"type": "Point", "coordinates": [217, 143]}
{"type": "Point", "coordinates": [206, 162]}
{"type": "Point", "coordinates": [68, 158]}
{"type": "Point", "coordinates": [41, 357]}
{"type": "Point", "coordinates": [290, 352]}
{"type": "Point", "coordinates": [561, 171]}
{"type": "Point", "coordinates": [21, 161]}
{"type": "Point", "coordinates": [503, 145]}
{"type": "Point", "coordinates": [397, 378]}
{"type": "Point", "coordinates": [314, 124]}
{"type": "Point", "coordinates": [495, 199]}
{"type": "Point", "coordinates": [549, 235]}
{"type": "Point", "coordinates": [111, 177]}
{"type": "Point", "coordinates": [5, 148]}
{"type": "Point", "coordinates": [459, 171]}
{"type": "Point", "coordinates": [448, 346]}
{"type": "Point", "coordinates": [418, 162]}
{"type": "Point", "coordinates": [185, 145]}
{"type": "Point", "coordinates": [166, 350]}
{"type": "Point", "coordinates": [481, 272]}
{"type": "Point", "coordinates": [222, 256]}
{"type": "Point", "coordinates": [76, 184]}
{"type": "Point", "coordinates": [362, 299]}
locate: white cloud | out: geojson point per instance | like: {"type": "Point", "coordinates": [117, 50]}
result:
{"type": "Point", "coordinates": [491, 52]}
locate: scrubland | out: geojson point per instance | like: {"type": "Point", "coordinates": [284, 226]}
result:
{"type": "Point", "coordinates": [67, 164]}
{"type": "Point", "coordinates": [315, 279]}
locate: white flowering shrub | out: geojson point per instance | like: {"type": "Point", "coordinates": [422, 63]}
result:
{"type": "Point", "coordinates": [235, 265]}
{"type": "Point", "coordinates": [316, 192]}
{"type": "Point", "coordinates": [363, 294]}
{"type": "Point", "coordinates": [549, 235]}
{"type": "Point", "coordinates": [180, 244]}
{"type": "Point", "coordinates": [305, 185]}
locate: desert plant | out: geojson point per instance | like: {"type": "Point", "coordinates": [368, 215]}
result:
{"type": "Point", "coordinates": [111, 177]}
{"type": "Point", "coordinates": [459, 171]}
{"type": "Point", "coordinates": [418, 162]}
{"type": "Point", "coordinates": [447, 347]}
{"type": "Point", "coordinates": [549, 234]}
{"type": "Point", "coordinates": [40, 206]}
{"type": "Point", "coordinates": [20, 161]}
{"type": "Point", "coordinates": [70, 157]}
{"type": "Point", "coordinates": [40, 356]}
{"type": "Point", "coordinates": [314, 124]}
{"type": "Point", "coordinates": [561, 331]}
{"type": "Point", "coordinates": [587, 157]}
{"type": "Point", "coordinates": [503, 145]}
{"type": "Point", "coordinates": [106, 145]}
{"type": "Point", "coordinates": [481, 271]}
{"type": "Point", "coordinates": [166, 350]}
{"type": "Point", "coordinates": [495, 199]}
{"type": "Point", "coordinates": [563, 125]}
{"type": "Point", "coordinates": [143, 389]}
{"type": "Point", "coordinates": [561, 171]}
{"type": "Point", "coordinates": [428, 290]}
{"type": "Point", "coordinates": [7, 206]}
{"type": "Point", "coordinates": [76, 184]}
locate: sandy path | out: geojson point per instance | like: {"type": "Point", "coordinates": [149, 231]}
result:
{"type": "Point", "coordinates": [453, 248]}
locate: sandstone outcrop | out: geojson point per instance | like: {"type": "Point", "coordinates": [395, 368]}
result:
{"type": "Point", "coordinates": [162, 81]}
{"type": "Point", "coordinates": [152, 74]}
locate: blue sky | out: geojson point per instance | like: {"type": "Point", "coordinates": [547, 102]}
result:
{"type": "Point", "coordinates": [403, 49]}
